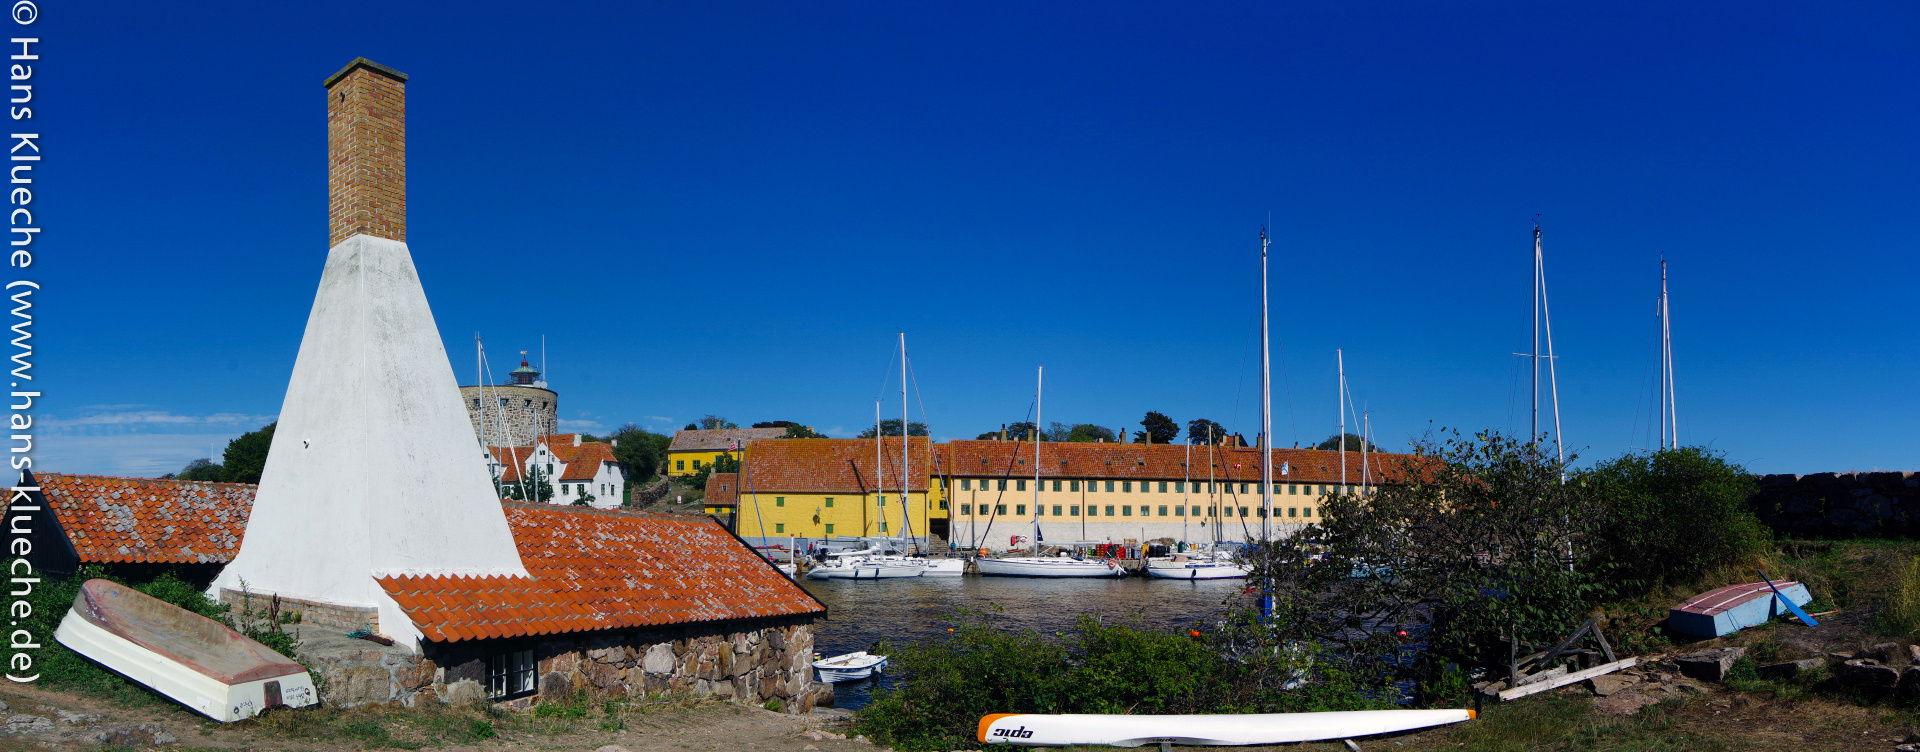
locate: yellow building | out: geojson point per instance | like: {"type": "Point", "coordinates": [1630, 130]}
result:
{"type": "Point", "coordinates": [1095, 492]}
{"type": "Point", "coordinates": [693, 450]}
{"type": "Point", "coordinates": [723, 496]}
{"type": "Point", "coordinates": [827, 488]}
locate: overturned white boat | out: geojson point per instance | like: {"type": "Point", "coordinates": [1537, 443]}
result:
{"type": "Point", "coordinates": [183, 655]}
{"type": "Point", "coordinates": [850, 667]}
{"type": "Point", "coordinates": [1224, 730]}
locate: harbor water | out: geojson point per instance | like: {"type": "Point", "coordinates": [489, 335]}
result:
{"type": "Point", "coordinates": [904, 610]}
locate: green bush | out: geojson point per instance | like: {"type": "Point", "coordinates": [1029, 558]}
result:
{"type": "Point", "coordinates": [1673, 515]}
{"type": "Point", "coordinates": [978, 669]}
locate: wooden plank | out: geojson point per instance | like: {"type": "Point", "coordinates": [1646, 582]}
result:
{"type": "Point", "coordinates": [1573, 678]}
{"type": "Point", "coordinates": [1562, 647]}
{"type": "Point", "coordinates": [1604, 647]}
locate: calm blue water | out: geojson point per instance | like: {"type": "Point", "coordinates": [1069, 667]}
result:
{"type": "Point", "coordinates": [910, 609]}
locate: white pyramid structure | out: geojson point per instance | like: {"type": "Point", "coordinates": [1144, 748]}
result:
{"type": "Point", "coordinates": [374, 468]}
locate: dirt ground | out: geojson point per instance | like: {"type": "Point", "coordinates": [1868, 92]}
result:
{"type": "Point", "coordinates": [657, 727]}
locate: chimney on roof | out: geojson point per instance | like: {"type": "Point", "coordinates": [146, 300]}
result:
{"type": "Point", "coordinates": [576, 439]}
{"type": "Point", "coordinates": [366, 152]}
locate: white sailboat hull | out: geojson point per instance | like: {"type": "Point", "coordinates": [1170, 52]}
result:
{"type": "Point", "coordinates": [1223, 730]}
{"type": "Point", "coordinates": [867, 571]}
{"type": "Point", "coordinates": [945, 568]}
{"type": "Point", "coordinates": [1032, 566]}
{"type": "Point", "coordinates": [1197, 571]}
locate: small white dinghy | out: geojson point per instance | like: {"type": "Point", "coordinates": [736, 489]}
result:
{"type": "Point", "coordinates": [183, 655]}
{"type": "Point", "coordinates": [1222, 730]}
{"type": "Point", "coordinates": [850, 666]}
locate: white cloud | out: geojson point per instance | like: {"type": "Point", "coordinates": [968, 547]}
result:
{"type": "Point", "coordinates": [141, 455]}
{"type": "Point", "coordinates": [581, 425]}
{"type": "Point", "coordinates": [134, 421]}
{"type": "Point", "coordinates": [658, 418]}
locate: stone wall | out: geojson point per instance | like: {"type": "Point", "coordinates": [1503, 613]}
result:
{"type": "Point", "coordinates": [324, 615]}
{"type": "Point", "coordinates": [529, 412]}
{"type": "Point", "coordinates": [751, 662]}
{"type": "Point", "coordinates": [1840, 504]}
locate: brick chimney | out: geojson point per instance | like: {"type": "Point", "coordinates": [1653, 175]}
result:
{"type": "Point", "coordinates": [366, 152]}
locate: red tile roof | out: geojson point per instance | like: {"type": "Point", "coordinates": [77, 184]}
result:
{"type": "Point", "coordinates": [149, 520]}
{"type": "Point", "coordinates": [718, 439]}
{"type": "Point", "coordinates": [723, 490]}
{"type": "Point", "coordinates": [511, 460]}
{"type": "Point", "coordinates": [584, 461]}
{"type": "Point", "coordinates": [596, 570]}
{"type": "Point", "coordinates": [1013, 459]}
{"type": "Point", "coordinates": [831, 465]}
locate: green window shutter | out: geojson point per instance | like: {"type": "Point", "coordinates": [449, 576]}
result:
{"type": "Point", "coordinates": [1020, 485]}
{"type": "Point", "coordinates": [1074, 486]}
{"type": "Point", "coordinates": [829, 528]}
{"type": "Point", "coordinates": [943, 505]}
{"type": "Point", "coordinates": [1179, 511]}
{"type": "Point", "coordinates": [779, 501]}
{"type": "Point", "coordinates": [883, 527]}
{"type": "Point", "coordinates": [829, 502]}
{"type": "Point", "coordinates": [1056, 510]}
{"type": "Point", "coordinates": [1163, 486]}
{"type": "Point", "coordinates": [1163, 510]}
{"type": "Point", "coordinates": [1073, 511]}
{"type": "Point", "coordinates": [1003, 484]}
{"type": "Point", "coordinates": [1126, 486]}
{"type": "Point", "coordinates": [1020, 510]}
{"type": "Point", "coordinates": [1127, 510]}
{"type": "Point", "coordinates": [779, 527]}
{"type": "Point", "coordinates": [999, 509]}
{"type": "Point", "coordinates": [1109, 510]}
{"type": "Point", "coordinates": [1056, 486]}
{"type": "Point", "coordinates": [1109, 486]}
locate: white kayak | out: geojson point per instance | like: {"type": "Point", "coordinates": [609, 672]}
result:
{"type": "Point", "coordinates": [1223, 730]}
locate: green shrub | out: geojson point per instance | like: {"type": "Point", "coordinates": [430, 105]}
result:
{"type": "Point", "coordinates": [1899, 612]}
{"type": "Point", "coordinates": [1675, 514]}
{"type": "Point", "coordinates": [978, 669]}
{"type": "Point", "coordinates": [480, 730]}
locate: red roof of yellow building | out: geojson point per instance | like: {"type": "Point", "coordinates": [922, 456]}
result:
{"type": "Point", "coordinates": [148, 520]}
{"type": "Point", "coordinates": [1058, 459]}
{"type": "Point", "coordinates": [597, 569]}
{"type": "Point", "coordinates": [832, 465]}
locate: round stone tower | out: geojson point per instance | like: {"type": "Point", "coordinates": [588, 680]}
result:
{"type": "Point", "coordinates": [512, 414]}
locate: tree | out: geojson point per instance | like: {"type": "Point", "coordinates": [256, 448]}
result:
{"type": "Point", "coordinates": [1353, 443]}
{"type": "Point", "coordinates": [891, 427]}
{"type": "Point", "coordinates": [246, 457]}
{"type": "Point", "coordinates": [691, 427]}
{"type": "Point", "coordinates": [537, 483]}
{"type": "Point", "coordinates": [583, 500]}
{"type": "Point", "coordinates": [1203, 431]}
{"type": "Point", "coordinates": [1020, 431]}
{"type": "Point", "coordinates": [802, 432]}
{"type": "Point", "coordinates": [1157, 429]}
{"type": "Point", "coordinates": [200, 469]}
{"type": "Point", "coordinates": [712, 422]}
{"type": "Point", "coordinates": [1676, 513]}
{"type": "Point", "coordinates": [639, 452]}
{"type": "Point", "coordinates": [775, 424]}
{"type": "Point", "coordinates": [988, 436]}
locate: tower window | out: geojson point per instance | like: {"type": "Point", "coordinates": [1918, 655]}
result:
{"type": "Point", "coordinates": [503, 402]}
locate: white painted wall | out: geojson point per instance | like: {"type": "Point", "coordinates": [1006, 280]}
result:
{"type": "Point", "coordinates": [372, 468]}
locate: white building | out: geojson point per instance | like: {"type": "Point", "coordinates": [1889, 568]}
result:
{"type": "Point", "coordinates": [577, 470]}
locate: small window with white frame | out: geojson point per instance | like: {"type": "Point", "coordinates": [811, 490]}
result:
{"type": "Point", "coordinates": [510, 674]}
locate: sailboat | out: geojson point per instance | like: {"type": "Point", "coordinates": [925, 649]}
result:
{"type": "Point", "coordinates": [1033, 564]}
{"type": "Point", "coordinates": [876, 562]}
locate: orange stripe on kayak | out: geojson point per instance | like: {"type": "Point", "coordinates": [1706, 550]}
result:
{"type": "Point", "coordinates": [1472, 714]}
{"type": "Point", "coordinates": [986, 721]}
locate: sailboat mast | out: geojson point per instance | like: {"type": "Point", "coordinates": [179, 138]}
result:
{"type": "Point", "coordinates": [1266, 404]}
{"type": "Point", "coordinates": [1669, 415]}
{"type": "Point", "coordinates": [879, 467]}
{"type": "Point", "coordinates": [1340, 358]}
{"type": "Point", "coordinates": [906, 516]}
{"type": "Point", "coordinates": [1039, 380]}
{"type": "Point", "coordinates": [1553, 370]}
{"type": "Point", "coordinates": [1533, 434]}
{"type": "Point", "coordinates": [1186, 489]}
{"type": "Point", "coordinates": [1213, 505]}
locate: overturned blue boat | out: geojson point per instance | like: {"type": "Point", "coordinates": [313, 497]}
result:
{"type": "Point", "coordinates": [1735, 607]}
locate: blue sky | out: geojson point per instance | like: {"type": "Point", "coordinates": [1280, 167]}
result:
{"type": "Point", "coordinates": [732, 208]}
